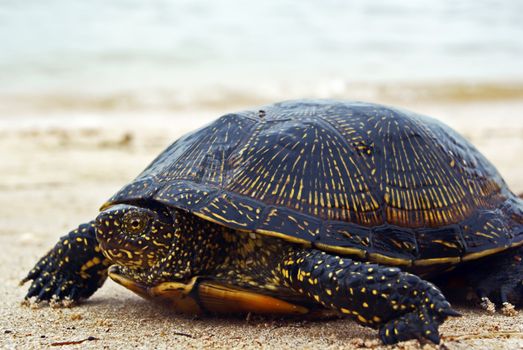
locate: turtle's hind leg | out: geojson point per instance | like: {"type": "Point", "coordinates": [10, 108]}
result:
{"type": "Point", "coordinates": [74, 269]}
{"type": "Point", "coordinates": [401, 305]}
{"type": "Point", "coordinates": [496, 281]}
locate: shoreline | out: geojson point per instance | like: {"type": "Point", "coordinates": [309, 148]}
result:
{"type": "Point", "coordinates": [217, 97]}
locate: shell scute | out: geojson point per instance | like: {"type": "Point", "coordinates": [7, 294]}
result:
{"type": "Point", "coordinates": [440, 242]}
{"type": "Point", "coordinates": [487, 230]}
{"type": "Point", "coordinates": [399, 242]}
{"type": "Point", "coordinates": [346, 235]}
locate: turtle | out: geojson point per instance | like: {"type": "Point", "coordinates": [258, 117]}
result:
{"type": "Point", "coordinates": [301, 207]}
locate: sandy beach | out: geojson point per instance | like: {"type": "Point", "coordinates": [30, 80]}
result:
{"type": "Point", "coordinates": [54, 174]}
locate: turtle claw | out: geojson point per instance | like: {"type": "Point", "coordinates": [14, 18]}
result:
{"type": "Point", "coordinates": [418, 324]}
{"type": "Point", "coordinates": [30, 276]}
{"type": "Point", "coordinates": [74, 269]}
{"type": "Point", "coordinates": [451, 312]}
{"type": "Point", "coordinates": [487, 305]}
{"type": "Point", "coordinates": [49, 288]}
{"type": "Point", "coordinates": [35, 271]}
{"type": "Point", "coordinates": [499, 283]}
{"type": "Point", "coordinates": [508, 309]}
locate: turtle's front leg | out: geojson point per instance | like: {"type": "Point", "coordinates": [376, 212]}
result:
{"type": "Point", "coordinates": [401, 305]}
{"type": "Point", "coordinates": [74, 269]}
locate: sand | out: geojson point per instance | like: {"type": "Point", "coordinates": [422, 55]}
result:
{"type": "Point", "coordinates": [54, 174]}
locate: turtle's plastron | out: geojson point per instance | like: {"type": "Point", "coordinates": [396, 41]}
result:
{"type": "Point", "coordinates": [201, 297]}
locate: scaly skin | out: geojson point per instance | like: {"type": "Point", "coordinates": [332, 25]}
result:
{"type": "Point", "coordinates": [74, 269]}
{"type": "Point", "coordinates": [400, 304]}
{"type": "Point", "coordinates": [158, 246]}
{"type": "Point", "coordinates": [496, 280]}
{"type": "Point", "coordinates": [502, 277]}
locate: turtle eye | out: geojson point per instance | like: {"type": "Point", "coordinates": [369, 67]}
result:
{"type": "Point", "coordinates": [135, 222]}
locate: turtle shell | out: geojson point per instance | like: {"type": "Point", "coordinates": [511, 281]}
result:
{"type": "Point", "coordinates": [366, 180]}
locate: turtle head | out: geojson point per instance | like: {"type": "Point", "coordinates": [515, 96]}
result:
{"type": "Point", "coordinates": [133, 237]}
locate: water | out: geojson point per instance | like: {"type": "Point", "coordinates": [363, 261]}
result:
{"type": "Point", "coordinates": [168, 54]}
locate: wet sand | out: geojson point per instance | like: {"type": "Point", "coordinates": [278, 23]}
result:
{"type": "Point", "coordinates": [54, 176]}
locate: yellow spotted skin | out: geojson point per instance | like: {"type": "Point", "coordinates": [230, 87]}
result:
{"type": "Point", "coordinates": [401, 305]}
{"type": "Point", "coordinates": [375, 296]}
{"type": "Point", "coordinates": [309, 202]}
{"type": "Point", "coordinates": [74, 269]}
{"type": "Point", "coordinates": [170, 246]}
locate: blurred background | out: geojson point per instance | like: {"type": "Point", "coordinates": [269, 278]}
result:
{"type": "Point", "coordinates": [161, 55]}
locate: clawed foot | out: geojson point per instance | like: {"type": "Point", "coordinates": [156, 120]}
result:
{"type": "Point", "coordinates": [414, 325]}
{"type": "Point", "coordinates": [418, 324]}
{"type": "Point", "coordinates": [507, 308]}
{"type": "Point", "coordinates": [493, 283]}
{"type": "Point", "coordinates": [487, 305]}
{"type": "Point", "coordinates": [74, 269]}
{"type": "Point", "coordinates": [56, 288]}
{"type": "Point", "coordinates": [500, 284]}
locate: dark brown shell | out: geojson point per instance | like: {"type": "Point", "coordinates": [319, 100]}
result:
{"type": "Point", "coordinates": [354, 178]}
